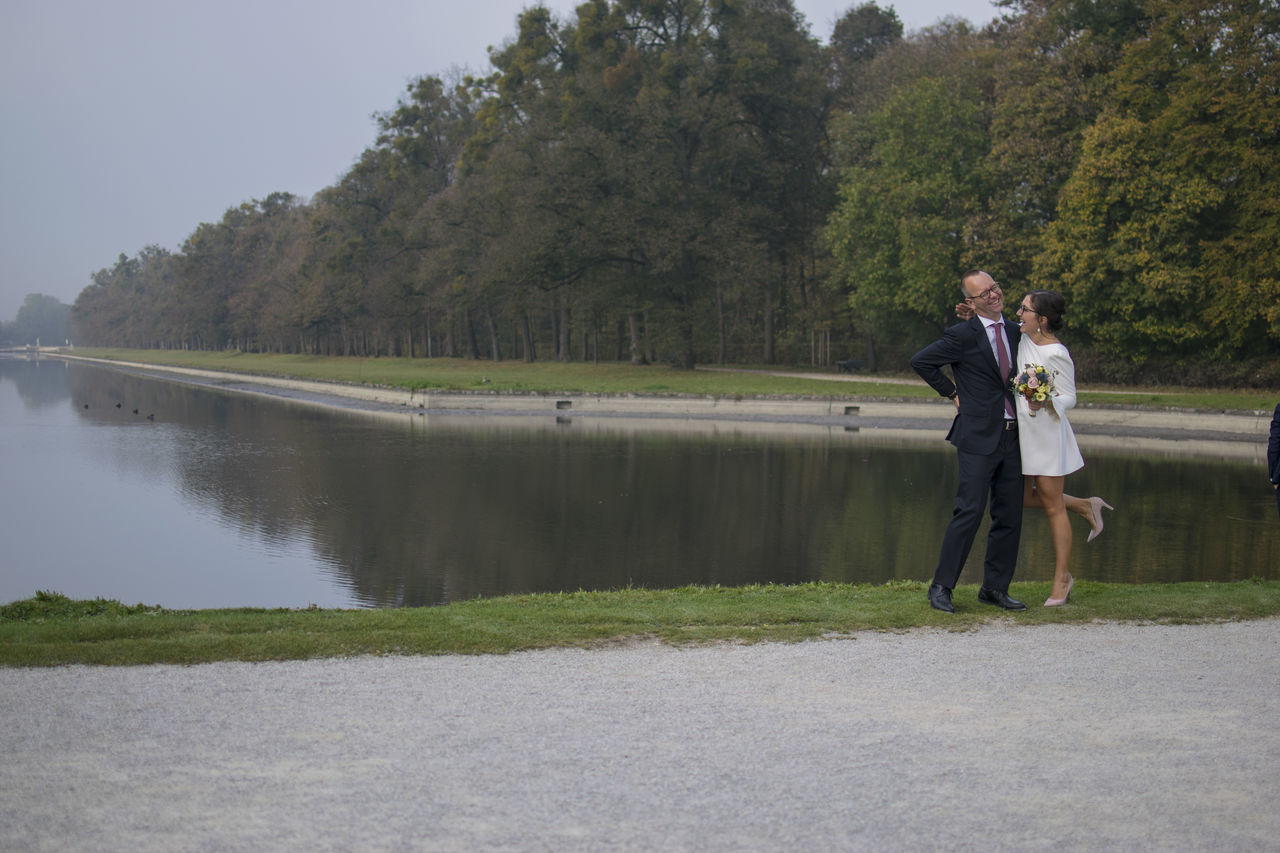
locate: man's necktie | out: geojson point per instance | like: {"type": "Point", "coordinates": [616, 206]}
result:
{"type": "Point", "coordinates": [1002, 358]}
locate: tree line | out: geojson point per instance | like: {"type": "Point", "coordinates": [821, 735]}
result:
{"type": "Point", "coordinates": [41, 319]}
{"type": "Point", "coordinates": [696, 181]}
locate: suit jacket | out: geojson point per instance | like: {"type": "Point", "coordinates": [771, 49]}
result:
{"type": "Point", "coordinates": [1273, 447]}
{"type": "Point", "coordinates": [966, 349]}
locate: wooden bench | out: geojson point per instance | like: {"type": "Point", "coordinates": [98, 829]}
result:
{"type": "Point", "coordinates": [849, 365]}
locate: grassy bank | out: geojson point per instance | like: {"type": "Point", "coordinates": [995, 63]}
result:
{"type": "Point", "coordinates": [451, 374]}
{"type": "Point", "coordinates": [50, 629]}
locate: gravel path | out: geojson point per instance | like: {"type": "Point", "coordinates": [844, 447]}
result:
{"type": "Point", "coordinates": [1096, 737]}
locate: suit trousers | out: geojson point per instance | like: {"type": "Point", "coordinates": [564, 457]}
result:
{"type": "Point", "coordinates": [997, 478]}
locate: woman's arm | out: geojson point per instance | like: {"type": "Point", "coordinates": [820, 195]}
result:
{"type": "Point", "coordinates": [1060, 364]}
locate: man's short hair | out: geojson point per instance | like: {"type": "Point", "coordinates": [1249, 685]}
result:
{"type": "Point", "coordinates": [970, 274]}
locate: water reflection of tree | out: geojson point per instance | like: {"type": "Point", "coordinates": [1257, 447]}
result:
{"type": "Point", "coordinates": [33, 380]}
{"type": "Point", "coordinates": [1183, 519]}
{"type": "Point", "coordinates": [417, 514]}
{"type": "Point", "coordinates": [515, 511]}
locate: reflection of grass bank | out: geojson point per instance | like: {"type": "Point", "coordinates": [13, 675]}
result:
{"type": "Point", "coordinates": [52, 630]}
{"type": "Point", "coordinates": [452, 374]}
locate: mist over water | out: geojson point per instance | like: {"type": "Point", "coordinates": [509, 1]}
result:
{"type": "Point", "coordinates": [128, 487]}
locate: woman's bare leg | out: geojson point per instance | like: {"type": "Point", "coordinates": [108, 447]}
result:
{"type": "Point", "coordinates": [1048, 494]}
{"type": "Point", "coordinates": [1080, 506]}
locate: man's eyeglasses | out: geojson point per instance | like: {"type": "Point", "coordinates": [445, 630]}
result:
{"type": "Point", "coordinates": [990, 293]}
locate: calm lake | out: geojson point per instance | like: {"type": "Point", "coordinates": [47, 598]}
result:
{"type": "Point", "coordinates": [140, 489]}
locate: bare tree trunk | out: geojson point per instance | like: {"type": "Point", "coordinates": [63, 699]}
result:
{"type": "Point", "coordinates": [769, 333]}
{"type": "Point", "coordinates": [650, 355]}
{"type": "Point", "coordinates": [555, 331]}
{"type": "Point", "coordinates": [620, 334]}
{"type": "Point", "coordinates": [565, 329]}
{"type": "Point", "coordinates": [469, 326]}
{"type": "Point", "coordinates": [530, 347]}
{"type": "Point", "coordinates": [687, 354]}
{"type": "Point", "coordinates": [723, 349]}
{"type": "Point", "coordinates": [426, 333]}
{"type": "Point", "coordinates": [637, 350]}
{"type": "Point", "coordinates": [495, 344]}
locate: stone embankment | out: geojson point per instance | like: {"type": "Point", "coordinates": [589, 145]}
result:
{"type": "Point", "coordinates": [1233, 434]}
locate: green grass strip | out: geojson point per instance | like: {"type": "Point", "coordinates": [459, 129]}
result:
{"type": "Point", "coordinates": [52, 630]}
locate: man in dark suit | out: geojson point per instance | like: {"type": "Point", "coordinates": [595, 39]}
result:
{"type": "Point", "coordinates": [1273, 454]}
{"type": "Point", "coordinates": [980, 354]}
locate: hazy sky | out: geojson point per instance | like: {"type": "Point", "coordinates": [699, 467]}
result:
{"type": "Point", "coordinates": [126, 123]}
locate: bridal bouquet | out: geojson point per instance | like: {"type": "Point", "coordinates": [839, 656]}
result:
{"type": "Point", "coordinates": [1035, 382]}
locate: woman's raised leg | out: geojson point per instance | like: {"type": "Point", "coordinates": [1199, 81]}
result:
{"type": "Point", "coordinates": [1090, 509]}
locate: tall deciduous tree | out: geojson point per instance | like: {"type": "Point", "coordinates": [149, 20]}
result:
{"type": "Point", "coordinates": [1168, 240]}
{"type": "Point", "coordinates": [1054, 64]}
{"type": "Point", "coordinates": [41, 319]}
{"type": "Point", "coordinates": [916, 190]}
{"type": "Point", "coordinates": [656, 171]}
{"type": "Point", "coordinates": [132, 303]}
{"type": "Point", "coordinates": [779, 157]}
{"type": "Point", "coordinates": [859, 36]}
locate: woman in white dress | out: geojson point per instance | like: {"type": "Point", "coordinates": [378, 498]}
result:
{"type": "Point", "coordinates": [1048, 444]}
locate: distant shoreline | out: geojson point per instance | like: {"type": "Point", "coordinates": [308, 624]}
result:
{"type": "Point", "coordinates": [1215, 434]}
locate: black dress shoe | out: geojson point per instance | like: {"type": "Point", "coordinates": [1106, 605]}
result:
{"type": "Point", "coordinates": [1000, 599]}
{"type": "Point", "coordinates": [940, 598]}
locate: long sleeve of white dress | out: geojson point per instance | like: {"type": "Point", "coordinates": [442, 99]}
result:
{"type": "Point", "coordinates": [1063, 369]}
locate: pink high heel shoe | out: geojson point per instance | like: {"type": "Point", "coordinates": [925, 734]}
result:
{"type": "Point", "coordinates": [1096, 505]}
{"type": "Point", "coordinates": [1058, 602]}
